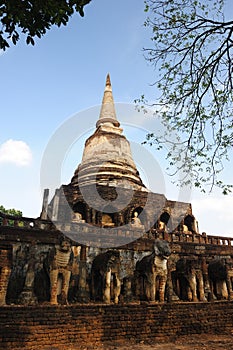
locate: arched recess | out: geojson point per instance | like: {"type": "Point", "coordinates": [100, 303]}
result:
{"type": "Point", "coordinates": [141, 214]}
{"type": "Point", "coordinates": [80, 207]}
{"type": "Point", "coordinates": [109, 216]}
{"type": "Point", "coordinates": [163, 222]}
{"type": "Point", "coordinates": [189, 221]}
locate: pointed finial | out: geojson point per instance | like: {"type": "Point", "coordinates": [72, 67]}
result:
{"type": "Point", "coordinates": [107, 112]}
{"type": "Point", "coordinates": [108, 81]}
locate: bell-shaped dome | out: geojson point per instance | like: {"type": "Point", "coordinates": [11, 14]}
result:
{"type": "Point", "coordinates": [107, 158]}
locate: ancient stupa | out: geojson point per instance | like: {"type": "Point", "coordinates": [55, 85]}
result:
{"type": "Point", "coordinates": [107, 158]}
{"type": "Point", "coordinates": [106, 188]}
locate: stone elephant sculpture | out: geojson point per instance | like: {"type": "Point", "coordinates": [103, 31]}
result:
{"type": "Point", "coordinates": [188, 280]}
{"type": "Point", "coordinates": [105, 277]}
{"type": "Point", "coordinates": [151, 273]}
{"type": "Point", "coordinates": [221, 279]}
{"type": "Point", "coordinates": [60, 266]}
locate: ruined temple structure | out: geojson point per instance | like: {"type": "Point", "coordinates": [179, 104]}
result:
{"type": "Point", "coordinates": [105, 238]}
{"type": "Point", "coordinates": [106, 189]}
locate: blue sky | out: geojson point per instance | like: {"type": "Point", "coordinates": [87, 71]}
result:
{"type": "Point", "coordinates": [64, 75]}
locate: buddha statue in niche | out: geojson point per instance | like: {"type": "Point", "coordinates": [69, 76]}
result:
{"type": "Point", "coordinates": [136, 222]}
{"type": "Point", "coordinates": [77, 218]}
{"type": "Point", "coordinates": [107, 220]}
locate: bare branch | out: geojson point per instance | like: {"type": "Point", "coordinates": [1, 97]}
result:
{"type": "Point", "coordinates": [193, 50]}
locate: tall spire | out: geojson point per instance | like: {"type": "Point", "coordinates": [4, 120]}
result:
{"type": "Point", "coordinates": [107, 159]}
{"type": "Point", "coordinates": [107, 112]}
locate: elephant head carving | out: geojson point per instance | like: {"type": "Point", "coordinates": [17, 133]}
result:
{"type": "Point", "coordinates": [105, 280]}
{"type": "Point", "coordinates": [188, 280]}
{"type": "Point", "coordinates": [221, 277]}
{"type": "Point", "coordinates": [151, 272]}
{"type": "Point", "coordinates": [162, 249]}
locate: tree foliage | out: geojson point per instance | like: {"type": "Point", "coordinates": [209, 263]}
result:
{"type": "Point", "coordinates": [34, 17]}
{"type": "Point", "coordinates": [12, 211]}
{"type": "Point", "coordinates": [192, 51]}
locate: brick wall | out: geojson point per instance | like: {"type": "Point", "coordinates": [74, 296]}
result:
{"type": "Point", "coordinates": [56, 327]}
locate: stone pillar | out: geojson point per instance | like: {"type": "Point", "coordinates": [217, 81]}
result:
{"type": "Point", "coordinates": [5, 266]}
{"type": "Point", "coordinates": [93, 216]}
{"type": "Point", "coordinates": [207, 289]}
{"type": "Point", "coordinates": [55, 205]}
{"type": "Point", "coordinates": [83, 295]}
{"type": "Point", "coordinates": [196, 228]}
{"type": "Point", "coordinates": [171, 295]}
{"type": "Point", "coordinates": [43, 214]}
{"type": "Point", "coordinates": [27, 296]}
{"type": "Point", "coordinates": [88, 215]}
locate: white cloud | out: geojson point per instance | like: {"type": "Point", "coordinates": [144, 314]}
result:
{"type": "Point", "coordinates": [16, 152]}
